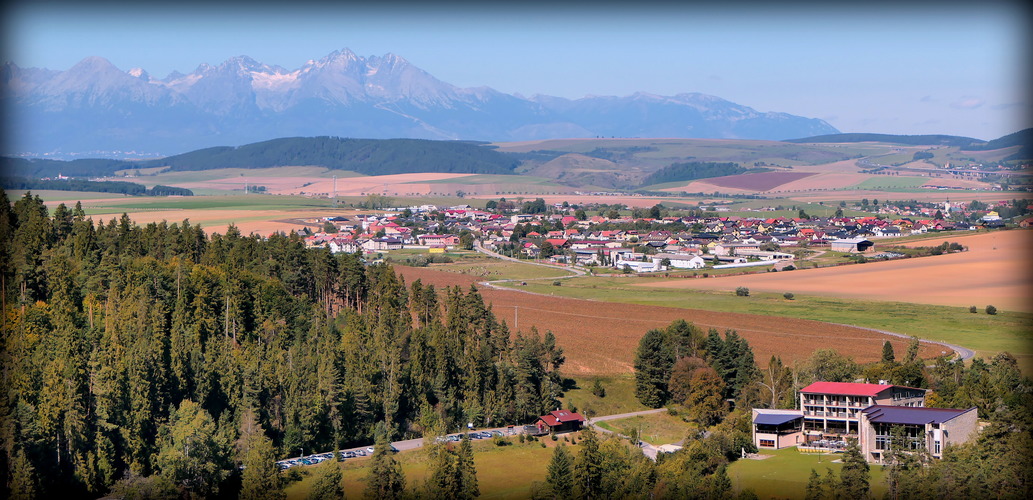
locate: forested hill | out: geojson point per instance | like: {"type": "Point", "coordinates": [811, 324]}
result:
{"type": "Point", "coordinates": [366, 156]}
{"type": "Point", "coordinates": [124, 346]}
{"type": "Point", "coordinates": [916, 140]}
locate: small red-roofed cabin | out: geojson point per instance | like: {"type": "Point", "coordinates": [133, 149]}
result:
{"type": "Point", "coordinates": [559, 421]}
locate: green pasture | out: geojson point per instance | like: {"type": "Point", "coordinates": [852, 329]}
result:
{"type": "Point", "coordinates": [502, 472]}
{"type": "Point", "coordinates": [786, 472]}
{"type": "Point", "coordinates": [52, 196]}
{"type": "Point", "coordinates": [619, 395]}
{"type": "Point", "coordinates": [224, 202]}
{"type": "Point", "coordinates": [655, 429]}
{"type": "Point", "coordinates": [890, 182]}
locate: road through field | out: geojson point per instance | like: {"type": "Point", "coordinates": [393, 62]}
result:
{"type": "Point", "coordinates": [996, 270]}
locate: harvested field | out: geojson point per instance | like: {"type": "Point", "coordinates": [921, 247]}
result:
{"type": "Point", "coordinates": [349, 186]}
{"type": "Point", "coordinates": [765, 181]}
{"type": "Point", "coordinates": [601, 337]}
{"type": "Point", "coordinates": [995, 270]}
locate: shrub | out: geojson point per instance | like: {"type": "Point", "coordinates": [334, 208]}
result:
{"type": "Point", "coordinates": [522, 439]}
{"type": "Point", "coordinates": [972, 309]}
{"type": "Point", "coordinates": [501, 441]}
{"type": "Point", "coordinates": [554, 438]}
{"type": "Point", "coordinates": [598, 389]}
{"type": "Point", "coordinates": [788, 295]}
{"type": "Point", "coordinates": [991, 310]}
{"type": "Point", "coordinates": [556, 283]}
{"type": "Point", "coordinates": [742, 292]}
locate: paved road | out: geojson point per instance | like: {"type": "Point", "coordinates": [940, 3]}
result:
{"type": "Point", "coordinates": [647, 449]}
{"type": "Point", "coordinates": [964, 354]}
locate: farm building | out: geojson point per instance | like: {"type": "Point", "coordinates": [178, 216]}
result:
{"type": "Point", "coordinates": [852, 245]}
{"type": "Point", "coordinates": [559, 421]}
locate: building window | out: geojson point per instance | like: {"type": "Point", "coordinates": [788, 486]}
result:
{"type": "Point", "coordinates": [768, 443]}
{"type": "Point", "coordinates": [936, 447]}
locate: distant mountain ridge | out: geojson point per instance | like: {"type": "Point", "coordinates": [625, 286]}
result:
{"type": "Point", "coordinates": [95, 106]}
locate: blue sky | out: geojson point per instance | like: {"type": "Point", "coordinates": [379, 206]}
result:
{"type": "Point", "coordinates": [911, 68]}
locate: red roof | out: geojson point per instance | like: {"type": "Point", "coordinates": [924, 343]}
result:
{"type": "Point", "coordinates": [559, 417]}
{"type": "Point", "coordinates": [567, 416]}
{"type": "Point", "coordinates": [845, 388]}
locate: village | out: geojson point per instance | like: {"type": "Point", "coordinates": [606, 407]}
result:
{"type": "Point", "coordinates": [565, 234]}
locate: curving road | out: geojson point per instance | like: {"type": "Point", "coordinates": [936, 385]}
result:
{"type": "Point", "coordinates": [963, 353]}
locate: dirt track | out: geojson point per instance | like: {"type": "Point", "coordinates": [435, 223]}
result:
{"type": "Point", "coordinates": [601, 337]}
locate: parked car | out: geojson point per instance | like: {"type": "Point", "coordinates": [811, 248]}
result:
{"type": "Point", "coordinates": [369, 450]}
{"type": "Point", "coordinates": [360, 453]}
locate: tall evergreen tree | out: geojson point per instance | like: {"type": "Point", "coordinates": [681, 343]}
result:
{"type": "Point", "coordinates": [385, 479]}
{"type": "Point", "coordinates": [560, 473]}
{"type": "Point", "coordinates": [653, 363]}
{"type": "Point", "coordinates": [588, 466]}
{"type": "Point", "coordinates": [329, 483]}
{"type": "Point", "coordinates": [855, 475]}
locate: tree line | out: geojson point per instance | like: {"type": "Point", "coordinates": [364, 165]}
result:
{"type": "Point", "coordinates": [129, 188]}
{"type": "Point", "coordinates": [137, 356]}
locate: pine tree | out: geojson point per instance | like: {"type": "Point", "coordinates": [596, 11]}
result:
{"type": "Point", "coordinates": [466, 471]}
{"type": "Point", "coordinates": [560, 478]}
{"type": "Point", "coordinates": [588, 466]}
{"type": "Point", "coordinates": [261, 476]}
{"type": "Point", "coordinates": [855, 475]}
{"type": "Point", "coordinates": [653, 363]}
{"type": "Point", "coordinates": [329, 482]}
{"type": "Point", "coordinates": [385, 479]}
{"type": "Point", "coordinates": [887, 352]}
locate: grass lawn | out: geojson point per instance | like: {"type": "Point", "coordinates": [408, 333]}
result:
{"type": "Point", "coordinates": [655, 429]}
{"type": "Point", "coordinates": [502, 472]}
{"type": "Point", "coordinates": [786, 473]}
{"type": "Point", "coordinates": [619, 396]}
{"type": "Point", "coordinates": [490, 268]}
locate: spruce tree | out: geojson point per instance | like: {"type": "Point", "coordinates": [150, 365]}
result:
{"type": "Point", "coordinates": [653, 362]}
{"type": "Point", "coordinates": [887, 352]}
{"type": "Point", "coordinates": [855, 475]}
{"type": "Point", "coordinates": [385, 478]}
{"type": "Point", "coordinates": [588, 470]}
{"type": "Point", "coordinates": [328, 484]}
{"type": "Point", "coordinates": [560, 476]}
{"type": "Point", "coordinates": [466, 471]}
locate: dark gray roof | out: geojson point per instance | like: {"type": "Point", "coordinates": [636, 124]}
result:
{"type": "Point", "coordinates": [775, 419]}
{"type": "Point", "coordinates": [908, 415]}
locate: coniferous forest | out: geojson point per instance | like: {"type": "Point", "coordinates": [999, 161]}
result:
{"type": "Point", "coordinates": [132, 352]}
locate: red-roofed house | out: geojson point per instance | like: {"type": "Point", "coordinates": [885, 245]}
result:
{"type": "Point", "coordinates": [559, 421]}
{"type": "Point", "coordinates": [833, 408]}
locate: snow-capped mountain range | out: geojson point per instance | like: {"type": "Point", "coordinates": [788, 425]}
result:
{"type": "Point", "coordinates": [95, 106]}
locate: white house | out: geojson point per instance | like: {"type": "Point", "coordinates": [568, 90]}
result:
{"type": "Point", "coordinates": [682, 261]}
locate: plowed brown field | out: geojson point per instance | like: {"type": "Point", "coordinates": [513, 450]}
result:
{"type": "Point", "coordinates": [601, 337]}
{"type": "Point", "coordinates": [995, 270]}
